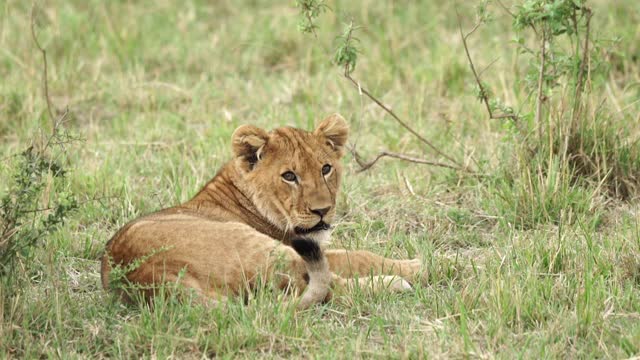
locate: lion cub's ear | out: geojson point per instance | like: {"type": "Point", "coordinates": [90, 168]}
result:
{"type": "Point", "coordinates": [335, 131]}
{"type": "Point", "coordinates": [248, 141]}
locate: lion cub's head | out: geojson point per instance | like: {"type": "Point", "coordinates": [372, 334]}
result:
{"type": "Point", "coordinates": [292, 175]}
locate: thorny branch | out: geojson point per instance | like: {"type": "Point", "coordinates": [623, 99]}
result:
{"type": "Point", "coordinates": [393, 114]}
{"type": "Point", "coordinates": [366, 165]}
{"type": "Point", "coordinates": [484, 95]}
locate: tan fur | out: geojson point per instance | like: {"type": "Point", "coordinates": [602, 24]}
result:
{"type": "Point", "coordinates": [236, 232]}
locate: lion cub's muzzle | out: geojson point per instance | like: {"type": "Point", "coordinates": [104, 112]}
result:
{"type": "Point", "coordinates": [320, 226]}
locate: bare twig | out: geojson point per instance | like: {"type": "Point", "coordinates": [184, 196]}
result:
{"type": "Point", "coordinates": [484, 95]}
{"type": "Point", "coordinates": [365, 165]}
{"type": "Point", "coordinates": [540, 98]}
{"type": "Point", "coordinates": [56, 121]}
{"type": "Point", "coordinates": [45, 76]}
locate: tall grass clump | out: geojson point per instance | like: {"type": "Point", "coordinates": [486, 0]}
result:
{"type": "Point", "coordinates": [564, 151]}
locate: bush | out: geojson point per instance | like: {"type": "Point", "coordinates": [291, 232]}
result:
{"type": "Point", "coordinates": [35, 204]}
{"type": "Point", "coordinates": [567, 152]}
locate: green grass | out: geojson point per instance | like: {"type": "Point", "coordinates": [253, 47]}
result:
{"type": "Point", "coordinates": [517, 268]}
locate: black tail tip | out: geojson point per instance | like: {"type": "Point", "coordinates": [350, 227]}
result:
{"type": "Point", "coordinates": [309, 250]}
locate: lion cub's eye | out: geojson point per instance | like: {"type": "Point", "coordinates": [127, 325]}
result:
{"type": "Point", "coordinates": [289, 176]}
{"type": "Point", "coordinates": [326, 169]}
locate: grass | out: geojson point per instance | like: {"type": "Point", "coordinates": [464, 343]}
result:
{"type": "Point", "coordinates": [517, 268]}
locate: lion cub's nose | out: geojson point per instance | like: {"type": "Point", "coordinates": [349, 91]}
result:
{"type": "Point", "coordinates": [321, 212]}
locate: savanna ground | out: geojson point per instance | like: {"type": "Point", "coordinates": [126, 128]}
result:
{"type": "Point", "coordinates": [517, 266]}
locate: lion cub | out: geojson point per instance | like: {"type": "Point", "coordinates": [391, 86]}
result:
{"type": "Point", "coordinates": [264, 217]}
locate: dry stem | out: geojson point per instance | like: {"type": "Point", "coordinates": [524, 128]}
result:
{"type": "Point", "coordinates": [56, 122]}
{"type": "Point", "coordinates": [366, 165]}
{"type": "Point", "coordinates": [45, 76]}
{"type": "Point", "coordinates": [390, 112]}
{"type": "Point", "coordinates": [540, 98]}
{"type": "Point", "coordinates": [583, 70]}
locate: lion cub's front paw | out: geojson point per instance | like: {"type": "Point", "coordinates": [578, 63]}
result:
{"type": "Point", "coordinates": [414, 271]}
{"type": "Point", "coordinates": [414, 264]}
{"type": "Point", "coordinates": [393, 283]}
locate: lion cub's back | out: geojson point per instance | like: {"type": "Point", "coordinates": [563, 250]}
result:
{"type": "Point", "coordinates": [221, 254]}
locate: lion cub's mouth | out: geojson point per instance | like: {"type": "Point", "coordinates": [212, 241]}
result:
{"type": "Point", "coordinates": [320, 226]}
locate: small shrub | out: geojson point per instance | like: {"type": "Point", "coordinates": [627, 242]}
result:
{"type": "Point", "coordinates": [566, 154]}
{"type": "Point", "coordinates": [35, 204]}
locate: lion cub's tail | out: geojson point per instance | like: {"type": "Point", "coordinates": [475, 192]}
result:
{"type": "Point", "coordinates": [318, 270]}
